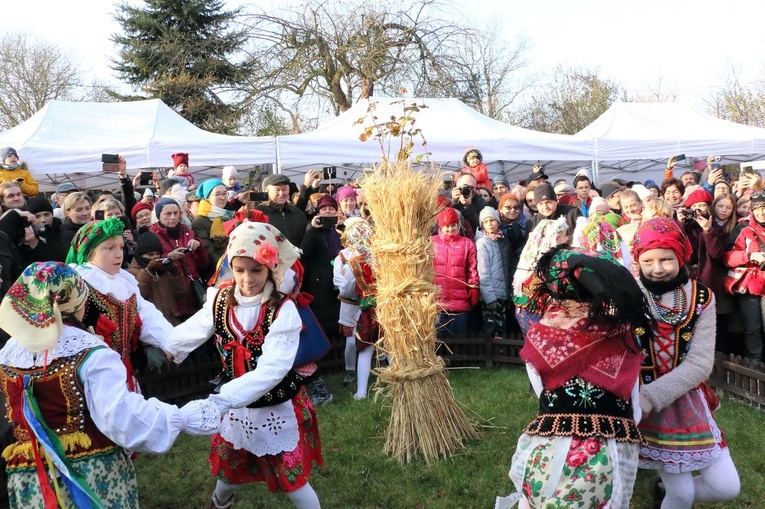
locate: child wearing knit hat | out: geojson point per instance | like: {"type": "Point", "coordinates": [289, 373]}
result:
{"type": "Point", "coordinates": [493, 261]}
{"type": "Point", "coordinates": [456, 274]}
{"type": "Point", "coordinates": [230, 178]}
{"type": "Point", "coordinates": [13, 171]}
{"type": "Point", "coordinates": [181, 172]}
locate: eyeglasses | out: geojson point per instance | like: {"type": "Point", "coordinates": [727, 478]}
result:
{"type": "Point", "coordinates": [515, 207]}
{"type": "Point", "coordinates": [219, 195]}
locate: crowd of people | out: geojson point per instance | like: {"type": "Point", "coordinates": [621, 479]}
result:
{"type": "Point", "coordinates": [136, 280]}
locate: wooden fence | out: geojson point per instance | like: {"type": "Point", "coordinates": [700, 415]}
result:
{"type": "Point", "coordinates": [732, 376]}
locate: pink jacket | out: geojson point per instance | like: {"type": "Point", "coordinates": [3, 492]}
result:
{"type": "Point", "coordinates": [456, 271]}
{"type": "Point", "coordinates": [748, 241]}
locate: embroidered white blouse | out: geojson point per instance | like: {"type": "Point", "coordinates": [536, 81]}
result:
{"type": "Point", "coordinates": [261, 431]}
{"type": "Point", "coordinates": [125, 417]}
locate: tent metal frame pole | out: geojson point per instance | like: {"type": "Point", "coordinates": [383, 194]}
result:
{"type": "Point", "coordinates": [278, 155]}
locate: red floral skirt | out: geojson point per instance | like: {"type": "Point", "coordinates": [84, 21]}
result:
{"type": "Point", "coordinates": [286, 471]}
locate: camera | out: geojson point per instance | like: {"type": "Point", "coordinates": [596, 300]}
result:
{"type": "Point", "coordinates": [327, 220]}
{"type": "Point", "coordinates": [166, 261]}
{"type": "Point", "coordinates": [466, 191]}
{"type": "Point", "coordinates": [186, 250]}
{"type": "Point", "coordinates": [687, 213]}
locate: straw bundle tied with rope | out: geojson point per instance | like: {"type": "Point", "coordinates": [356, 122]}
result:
{"type": "Point", "coordinates": [426, 421]}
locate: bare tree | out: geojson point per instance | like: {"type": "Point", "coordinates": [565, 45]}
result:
{"type": "Point", "coordinates": [739, 102]}
{"type": "Point", "coordinates": [570, 102]}
{"type": "Point", "coordinates": [35, 73]}
{"type": "Point", "coordinates": [340, 51]}
{"type": "Point", "coordinates": [657, 91]}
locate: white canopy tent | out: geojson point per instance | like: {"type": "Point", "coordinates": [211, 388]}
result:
{"type": "Point", "coordinates": [448, 125]}
{"type": "Point", "coordinates": [64, 142]}
{"type": "Point", "coordinates": [638, 138]}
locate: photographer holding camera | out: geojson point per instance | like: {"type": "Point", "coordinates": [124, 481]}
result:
{"type": "Point", "coordinates": [466, 200]}
{"type": "Point", "coordinates": [160, 281]}
{"type": "Point", "coordinates": [706, 236]}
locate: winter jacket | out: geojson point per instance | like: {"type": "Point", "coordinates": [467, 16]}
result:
{"type": "Point", "coordinates": [68, 231]}
{"type": "Point", "coordinates": [161, 285]}
{"type": "Point", "coordinates": [480, 172]}
{"type": "Point", "coordinates": [748, 241]}
{"type": "Point", "coordinates": [215, 246]}
{"type": "Point", "coordinates": [320, 247]}
{"type": "Point", "coordinates": [711, 250]}
{"type": "Point", "coordinates": [28, 184]}
{"type": "Point", "coordinates": [456, 271]}
{"type": "Point", "coordinates": [290, 220]}
{"type": "Point", "coordinates": [191, 265]}
{"type": "Point", "coordinates": [493, 258]}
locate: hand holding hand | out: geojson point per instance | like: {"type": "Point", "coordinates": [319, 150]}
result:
{"type": "Point", "coordinates": [645, 406]}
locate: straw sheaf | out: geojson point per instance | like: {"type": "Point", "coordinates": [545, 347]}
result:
{"type": "Point", "coordinates": [426, 422]}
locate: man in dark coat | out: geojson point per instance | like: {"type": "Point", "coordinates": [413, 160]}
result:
{"type": "Point", "coordinates": [549, 208]}
{"type": "Point", "coordinates": [290, 220]}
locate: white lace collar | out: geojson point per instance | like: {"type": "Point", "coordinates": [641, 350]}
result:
{"type": "Point", "coordinates": [71, 342]}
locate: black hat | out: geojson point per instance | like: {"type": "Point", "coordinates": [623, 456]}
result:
{"type": "Point", "coordinates": [147, 243]}
{"type": "Point", "coordinates": [544, 192]}
{"type": "Point", "coordinates": [536, 175]}
{"type": "Point", "coordinates": [275, 180]}
{"type": "Point", "coordinates": [608, 189]}
{"type": "Point", "coordinates": [39, 204]}
{"type": "Point", "coordinates": [167, 184]}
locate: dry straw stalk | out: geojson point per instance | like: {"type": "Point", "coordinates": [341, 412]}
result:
{"type": "Point", "coordinates": [426, 422]}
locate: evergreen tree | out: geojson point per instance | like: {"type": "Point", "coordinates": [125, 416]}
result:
{"type": "Point", "coordinates": [181, 51]}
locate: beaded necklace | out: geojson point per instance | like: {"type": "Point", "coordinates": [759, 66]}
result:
{"type": "Point", "coordinates": [670, 315]}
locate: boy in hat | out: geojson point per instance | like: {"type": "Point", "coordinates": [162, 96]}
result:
{"type": "Point", "coordinates": [13, 171]}
{"type": "Point", "coordinates": [493, 257]}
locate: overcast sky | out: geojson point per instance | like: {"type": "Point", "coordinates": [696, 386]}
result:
{"type": "Point", "coordinates": [690, 44]}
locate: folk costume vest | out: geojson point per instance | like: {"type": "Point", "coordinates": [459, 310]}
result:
{"type": "Point", "coordinates": [119, 324]}
{"type": "Point", "coordinates": [60, 397]}
{"type": "Point", "coordinates": [653, 367]}
{"type": "Point", "coordinates": [367, 327]}
{"type": "Point", "coordinates": [588, 373]}
{"type": "Point", "coordinates": [240, 357]}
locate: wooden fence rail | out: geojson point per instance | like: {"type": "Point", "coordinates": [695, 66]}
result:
{"type": "Point", "coordinates": [732, 377]}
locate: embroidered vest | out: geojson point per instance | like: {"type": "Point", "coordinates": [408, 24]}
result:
{"type": "Point", "coordinates": [580, 408]}
{"type": "Point", "coordinates": [61, 398]}
{"type": "Point", "coordinates": [242, 357]}
{"type": "Point", "coordinates": [116, 321]}
{"type": "Point", "coordinates": [700, 297]}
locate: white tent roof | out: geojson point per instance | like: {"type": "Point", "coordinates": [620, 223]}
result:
{"type": "Point", "coordinates": [640, 137]}
{"type": "Point", "coordinates": [64, 141]}
{"type": "Point", "coordinates": [448, 125]}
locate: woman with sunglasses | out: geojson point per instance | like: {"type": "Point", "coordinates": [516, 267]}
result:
{"type": "Point", "coordinates": [513, 225]}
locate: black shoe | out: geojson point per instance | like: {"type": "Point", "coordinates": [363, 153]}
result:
{"type": "Point", "coordinates": [657, 492]}
{"type": "Point", "coordinates": [318, 391]}
{"type": "Point", "coordinates": [350, 377]}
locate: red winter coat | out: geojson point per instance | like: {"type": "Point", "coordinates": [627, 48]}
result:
{"type": "Point", "coordinates": [748, 241]}
{"type": "Point", "coordinates": [481, 174]}
{"type": "Point", "coordinates": [191, 264]}
{"type": "Point", "coordinates": [456, 271]}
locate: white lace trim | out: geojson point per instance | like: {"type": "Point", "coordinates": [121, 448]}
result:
{"type": "Point", "coordinates": [262, 431]}
{"type": "Point", "coordinates": [71, 342]}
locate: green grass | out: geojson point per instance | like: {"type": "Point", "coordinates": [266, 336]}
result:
{"type": "Point", "coordinates": [356, 474]}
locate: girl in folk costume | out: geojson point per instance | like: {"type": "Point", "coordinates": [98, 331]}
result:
{"type": "Point", "coordinates": [269, 430]}
{"type": "Point", "coordinates": [528, 308]}
{"type": "Point", "coordinates": [343, 279]}
{"type": "Point", "coordinates": [679, 430]}
{"type": "Point", "coordinates": [359, 282]}
{"type": "Point", "coordinates": [116, 310]}
{"type": "Point", "coordinates": [596, 234]}
{"type": "Point", "coordinates": [68, 403]}
{"type": "Point", "coordinates": [582, 448]}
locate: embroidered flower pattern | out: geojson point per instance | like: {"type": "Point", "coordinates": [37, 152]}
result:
{"type": "Point", "coordinates": [584, 392]}
{"type": "Point", "coordinates": [274, 424]}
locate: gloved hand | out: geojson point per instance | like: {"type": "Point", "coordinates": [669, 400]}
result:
{"type": "Point", "coordinates": [474, 294]}
{"type": "Point", "coordinates": [492, 307]}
